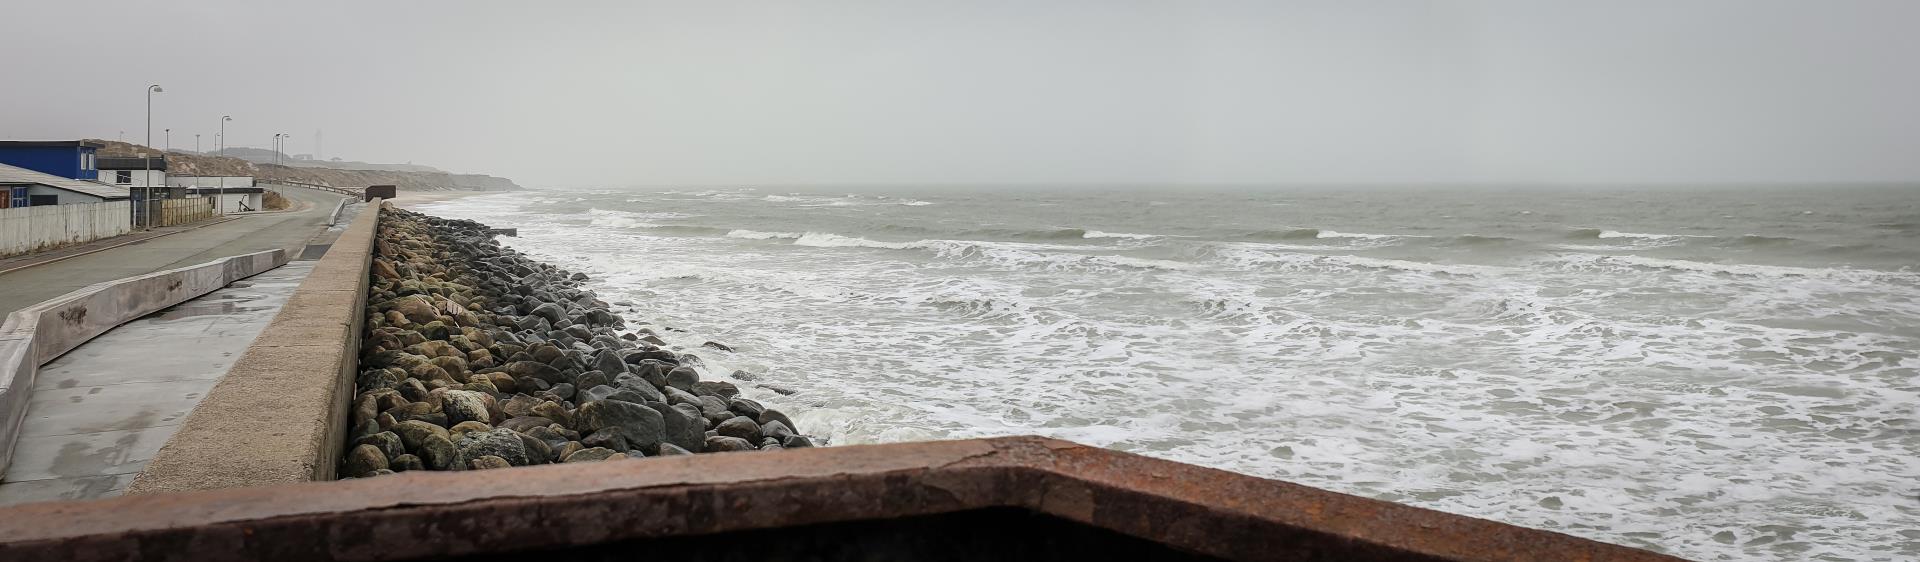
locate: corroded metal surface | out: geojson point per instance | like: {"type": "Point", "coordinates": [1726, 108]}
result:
{"type": "Point", "coordinates": [565, 508]}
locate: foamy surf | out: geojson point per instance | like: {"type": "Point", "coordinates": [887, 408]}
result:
{"type": "Point", "coordinates": [1717, 397]}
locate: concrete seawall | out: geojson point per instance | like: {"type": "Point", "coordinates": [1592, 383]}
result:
{"type": "Point", "coordinates": [37, 334]}
{"type": "Point", "coordinates": [273, 418]}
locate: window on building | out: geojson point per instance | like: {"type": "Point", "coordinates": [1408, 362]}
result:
{"type": "Point", "coordinates": [123, 176]}
{"type": "Point", "coordinates": [86, 160]}
{"type": "Point", "coordinates": [19, 197]}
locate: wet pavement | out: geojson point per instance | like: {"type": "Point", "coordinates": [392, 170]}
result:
{"type": "Point", "coordinates": [99, 412]}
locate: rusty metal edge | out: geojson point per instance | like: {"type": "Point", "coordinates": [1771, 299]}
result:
{"type": "Point", "coordinates": [421, 515]}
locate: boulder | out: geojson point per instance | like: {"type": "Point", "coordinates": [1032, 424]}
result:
{"type": "Point", "coordinates": [405, 463]}
{"type": "Point", "coordinates": [520, 405]}
{"type": "Point", "coordinates": [776, 430]}
{"type": "Point", "coordinates": [524, 423]}
{"type": "Point", "coordinates": [465, 405]}
{"type": "Point", "coordinates": [641, 425]}
{"type": "Point", "coordinates": [683, 378]}
{"type": "Point", "coordinates": [723, 444]}
{"type": "Point", "coordinates": [772, 415]}
{"type": "Point", "coordinates": [362, 460]}
{"type": "Point", "coordinates": [653, 371]}
{"type": "Point", "coordinates": [608, 438]}
{"type": "Point", "coordinates": [554, 411]}
{"type": "Point", "coordinates": [640, 385]}
{"type": "Point", "coordinates": [536, 369]}
{"type": "Point", "coordinates": [680, 427]}
{"type": "Point", "coordinates": [413, 432]}
{"type": "Point", "coordinates": [500, 443]}
{"type": "Point", "coordinates": [538, 451]}
{"type": "Point", "coordinates": [677, 396]}
{"type": "Point", "coordinates": [740, 427]}
{"type": "Point", "coordinates": [551, 312]}
{"type": "Point", "coordinates": [488, 461]}
{"type": "Point", "coordinates": [722, 389]}
{"type": "Point", "coordinates": [607, 361]}
{"type": "Point", "coordinates": [592, 454]}
{"type": "Point", "coordinates": [388, 442]}
{"type": "Point", "coordinates": [746, 407]}
{"type": "Point", "coordinates": [714, 409]}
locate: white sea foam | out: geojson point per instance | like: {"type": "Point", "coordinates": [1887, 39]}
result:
{"type": "Point", "coordinates": [757, 235]}
{"type": "Point", "coordinates": [827, 240]}
{"type": "Point", "coordinates": [1711, 410]}
{"type": "Point", "coordinates": [1099, 234]}
{"type": "Point", "coordinates": [1362, 235]}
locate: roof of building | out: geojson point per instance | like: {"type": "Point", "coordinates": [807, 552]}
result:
{"type": "Point", "coordinates": [50, 144]}
{"type": "Point", "coordinates": [131, 163]}
{"type": "Point", "coordinates": [10, 175]}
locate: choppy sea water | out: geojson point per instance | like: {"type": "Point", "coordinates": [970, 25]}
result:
{"type": "Point", "coordinates": [1717, 373]}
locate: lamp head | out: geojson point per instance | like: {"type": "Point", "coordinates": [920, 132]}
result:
{"type": "Point", "coordinates": [156, 88]}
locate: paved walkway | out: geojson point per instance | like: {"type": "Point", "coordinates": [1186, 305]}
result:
{"type": "Point", "coordinates": [98, 413]}
{"type": "Point", "coordinates": [290, 230]}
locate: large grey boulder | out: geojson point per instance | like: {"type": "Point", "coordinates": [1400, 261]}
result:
{"type": "Point", "coordinates": [641, 425]}
{"type": "Point", "coordinates": [682, 428]}
{"type": "Point", "coordinates": [502, 443]}
{"type": "Point", "coordinates": [740, 427]}
{"type": "Point", "coordinates": [465, 405]}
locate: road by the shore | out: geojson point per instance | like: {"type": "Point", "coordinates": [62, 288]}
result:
{"type": "Point", "coordinates": [289, 230]}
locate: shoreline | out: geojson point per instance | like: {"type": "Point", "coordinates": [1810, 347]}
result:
{"type": "Point", "coordinates": [479, 357]}
{"type": "Point", "coordinates": [411, 199]}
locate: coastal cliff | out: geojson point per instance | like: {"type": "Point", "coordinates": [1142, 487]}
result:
{"type": "Point", "coordinates": [417, 178]}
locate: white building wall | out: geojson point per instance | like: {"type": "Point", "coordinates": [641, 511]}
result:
{"type": "Point", "coordinates": [136, 178]}
{"type": "Point", "coordinates": [210, 181]}
{"type": "Point", "coordinates": [65, 197]}
{"type": "Point", "coordinates": [232, 202]}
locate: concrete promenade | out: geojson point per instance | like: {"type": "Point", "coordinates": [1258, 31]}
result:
{"type": "Point", "coordinates": [99, 412]}
{"type": "Point", "coordinates": [289, 230]}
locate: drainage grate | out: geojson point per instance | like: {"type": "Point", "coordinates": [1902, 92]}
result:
{"type": "Point", "coordinates": [313, 252]}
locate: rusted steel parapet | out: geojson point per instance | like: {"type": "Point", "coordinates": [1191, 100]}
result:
{"type": "Point", "coordinates": [1033, 496]}
{"type": "Point", "coordinates": [275, 417]}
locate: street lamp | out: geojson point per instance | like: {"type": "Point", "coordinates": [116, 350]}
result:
{"type": "Point", "coordinates": [222, 193]}
{"type": "Point", "coordinates": [151, 90]}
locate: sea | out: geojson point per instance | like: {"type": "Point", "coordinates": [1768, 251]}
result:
{"type": "Point", "coordinates": [1714, 372]}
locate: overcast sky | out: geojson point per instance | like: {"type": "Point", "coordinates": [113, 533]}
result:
{"type": "Point", "coordinates": [722, 93]}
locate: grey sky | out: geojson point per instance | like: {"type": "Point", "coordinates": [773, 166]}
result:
{"type": "Point", "coordinates": [618, 93]}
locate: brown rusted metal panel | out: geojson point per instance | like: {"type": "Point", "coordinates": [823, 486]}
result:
{"type": "Point", "coordinates": [380, 191]}
{"type": "Point", "coordinates": [1039, 497]}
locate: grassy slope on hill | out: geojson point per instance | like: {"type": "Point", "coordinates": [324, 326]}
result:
{"type": "Point", "coordinates": [181, 163]}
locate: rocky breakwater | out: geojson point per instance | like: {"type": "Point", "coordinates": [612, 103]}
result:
{"type": "Point", "coordinates": [476, 357]}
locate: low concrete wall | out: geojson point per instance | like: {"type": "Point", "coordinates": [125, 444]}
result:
{"type": "Point", "coordinates": [32, 336]}
{"type": "Point", "coordinates": [275, 417]}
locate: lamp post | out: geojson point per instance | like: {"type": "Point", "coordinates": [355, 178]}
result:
{"type": "Point", "coordinates": [151, 90]}
{"type": "Point", "coordinates": [222, 193]}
